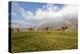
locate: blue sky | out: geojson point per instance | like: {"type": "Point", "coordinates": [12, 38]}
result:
{"type": "Point", "coordinates": [31, 14]}
{"type": "Point", "coordinates": [28, 6]}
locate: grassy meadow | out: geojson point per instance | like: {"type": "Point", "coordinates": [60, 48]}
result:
{"type": "Point", "coordinates": [27, 41]}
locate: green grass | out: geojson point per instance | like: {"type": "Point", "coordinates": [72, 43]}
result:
{"type": "Point", "coordinates": [43, 41]}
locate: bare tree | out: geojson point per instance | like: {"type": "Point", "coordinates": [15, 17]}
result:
{"type": "Point", "coordinates": [18, 29]}
{"type": "Point", "coordinates": [46, 28]}
{"type": "Point", "coordinates": [64, 28]}
{"type": "Point", "coordinates": [30, 29]}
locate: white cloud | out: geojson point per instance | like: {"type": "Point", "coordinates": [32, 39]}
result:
{"type": "Point", "coordinates": [68, 10]}
{"type": "Point", "coordinates": [26, 14]}
{"type": "Point", "coordinates": [50, 12]}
